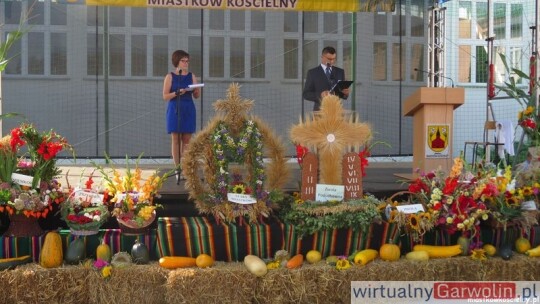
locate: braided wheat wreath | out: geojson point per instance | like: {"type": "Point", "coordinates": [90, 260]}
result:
{"type": "Point", "coordinates": [228, 153]}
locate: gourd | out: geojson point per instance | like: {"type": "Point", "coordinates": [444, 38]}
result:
{"type": "Point", "coordinates": [203, 260]}
{"type": "Point", "coordinates": [506, 252]}
{"type": "Point", "coordinates": [522, 244]}
{"type": "Point", "coordinates": [365, 256]}
{"type": "Point", "coordinates": [139, 253]}
{"type": "Point", "coordinates": [51, 253]}
{"type": "Point", "coordinates": [535, 252]}
{"type": "Point", "coordinates": [76, 252]}
{"type": "Point", "coordinates": [103, 251]}
{"type": "Point", "coordinates": [173, 262]}
{"type": "Point", "coordinates": [417, 256]}
{"type": "Point", "coordinates": [295, 262]}
{"type": "Point", "coordinates": [389, 252]}
{"type": "Point", "coordinates": [121, 259]}
{"type": "Point", "coordinates": [439, 251]}
{"type": "Point", "coordinates": [11, 263]}
{"type": "Point", "coordinates": [255, 265]}
{"type": "Point", "coordinates": [464, 243]}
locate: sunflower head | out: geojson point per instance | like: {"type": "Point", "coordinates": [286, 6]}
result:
{"type": "Point", "coordinates": [239, 189]}
{"type": "Point", "coordinates": [414, 222]}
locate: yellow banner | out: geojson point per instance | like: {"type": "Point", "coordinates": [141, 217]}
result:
{"type": "Point", "coordinates": [288, 5]}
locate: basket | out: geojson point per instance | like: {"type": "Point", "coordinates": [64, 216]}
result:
{"type": "Point", "coordinates": [68, 210]}
{"type": "Point", "coordinates": [23, 226]}
{"type": "Point", "coordinates": [131, 227]}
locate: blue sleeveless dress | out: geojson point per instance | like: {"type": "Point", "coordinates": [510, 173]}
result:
{"type": "Point", "coordinates": [181, 110]}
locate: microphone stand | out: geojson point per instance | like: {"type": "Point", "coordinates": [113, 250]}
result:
{"type": "Point", "coordinates": [179, 138]}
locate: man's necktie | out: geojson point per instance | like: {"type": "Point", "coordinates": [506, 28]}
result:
{"type": "Point", "coordinates": [328, 73]}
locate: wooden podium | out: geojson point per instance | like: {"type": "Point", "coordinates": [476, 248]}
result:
{"type": "Point", "coordinates": [432, 110]}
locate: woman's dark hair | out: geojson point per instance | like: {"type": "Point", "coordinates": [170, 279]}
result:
{"type": "Point", "coordinates": [177, 56]}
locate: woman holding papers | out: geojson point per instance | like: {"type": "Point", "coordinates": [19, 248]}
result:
{"type": "Point", "coordinates": [178, 91]}
{"type": "Point", "coordinates": [322, 78]}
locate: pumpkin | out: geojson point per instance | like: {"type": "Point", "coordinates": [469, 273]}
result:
{"type": "Point", "coordinates": [76, 252]}
{"type": "Point", "coordinates": [365, 256]}
{"type": "Point", "coordinates": [204, 260]}
{"type": "Point", "coordinates": [255, 265]}
{"type": "Point", "coordinates": [439, 251]}
{"type": "Point", "coordinates": [139, 253]}
{"type": "Point", "coordinates": [121, 259]}
{"type": "Point", "coordinates": [295, 262]}
{"type": "Point", "coordinates": [51, 252]}
{"type": "Point", "coordinates": [389, 252]}
{"type": "Point", "coordinates": [522, 245]}
{"type": "Point", "coordinates": [103, 251]}
{"type": "Point", "coordinates": [173, 262]}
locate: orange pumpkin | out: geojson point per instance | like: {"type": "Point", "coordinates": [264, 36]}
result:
{"type": "Point", "coordinates": [389, 252]}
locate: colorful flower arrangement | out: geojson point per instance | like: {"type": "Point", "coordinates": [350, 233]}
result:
{"type": "Point", "coordinates": [132, 197]}
{"type": "Point", "coordinates": [454, 202]}
{"type": "Point", "coordinates": [228, 150]}
{"type": "Point", "coordinates": [84, 211]}
{"type": "Point", "coordinates": [27, 184]}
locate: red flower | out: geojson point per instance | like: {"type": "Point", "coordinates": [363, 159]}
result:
{"type": "Point", "coordinates": [301, 151]}
{"type": "Point", "coordinates": [450, 186]}
{"type": "Point", "coordinates": [418, 186]}
{"type": "Point", "coordinates": [16, 140]}
{"type": "Point", "coordinates": [364, 154]}
{"type": "Point", "coordinates": [89, 183]}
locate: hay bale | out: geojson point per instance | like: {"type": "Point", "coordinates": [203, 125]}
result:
{"type": "Point", "coordinates": [223, 283]}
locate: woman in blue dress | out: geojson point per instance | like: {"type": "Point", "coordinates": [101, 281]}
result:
{"type": "Point", "coordinates": [180, 107]}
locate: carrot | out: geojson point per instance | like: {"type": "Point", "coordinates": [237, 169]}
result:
{"type": "Point", "coordinates": [295, 262]}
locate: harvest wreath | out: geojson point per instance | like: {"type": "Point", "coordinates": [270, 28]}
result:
{"type": "Point", "coordinates": [235, 140]}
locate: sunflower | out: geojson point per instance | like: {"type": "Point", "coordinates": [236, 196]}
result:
{"type": "Point", "coordinates": [479, 254]}
{"type": "Point", "coordinates": [425, 216]}
{"type": "Point", "coordinates": [343, 264]}
{"type": "Point", "coordinates": [414, 222]}
{"type": "Point", "coordinates": [239, 189]}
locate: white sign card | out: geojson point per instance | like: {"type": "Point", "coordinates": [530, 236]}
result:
{"type": "Point", "coordinates": [244, 199]}
{"type": "Point", "coordinates": [88, 196]}
{"type": "Point", "coordinates": [22, 180]}
{"type": "Point", "coordinates": [410, 209]}
{"type": "Point", "coordinates": [326, 193]}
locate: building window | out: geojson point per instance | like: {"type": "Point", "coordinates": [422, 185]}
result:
{"type": "Point", "coordinates": [36, 53]}
{"type": "Point", "coordinates": [258, 21]}
{"type": "Point", "coordinates": [417, 18]}
{"type": "Point", "coordinates": [58, 14]}
{"type": "Point", "coordinates": [160, 55]}
{"type": "Point", "coordinates": [481, 64]}
{"type": "Point", "coordinates": [465, 19]}
{"type": "Point", "coordinates": [311, 22]}
{"type": "Point", "coordinates": [94, 59]}
{"type": "Point", "coordinates": [417, 61]}
{"type": "Point", "coordinates": [499, 20]}
{"type": "Point", "coordinates": [138, 17]}
{"type": "Point", "coordinates": [14, 66]}
{"type": "Point", "coordinates": [290, 22]}
{"type": "Point", "coordinates": [160, 18]}
{"type": "Point", "coordinates": [481, 21]}
{"type": "Point", "coordinates": [464, 61]}
{"type": "Point", "coordinates": [117, 50]}
{"type": "Point", "coordinates": [58, 54]}
{"type": "Point", "coordinates": [216, 61]}
{"type": "Point", "coordinates": [37, 14]}
{"type": "Point", "coordinates": [330, 23]}
{"type": "Point", "coordinates": [117, 16]}
{"type": "Point", "coordinates": [237, 69]}
{"type": "Point", "coordinates": [398, 62]}
{"type": "Point", "coordinates": [379, 61]}
{"type": "Point", "coordinates": [238, 20]}
{"type": "Point", "coordinates": [380, 26]}
{"type": "Point", "coordinates": [290, 58]}
{"type": "Point", "coordinates": [138, 55]}
{"type": "Point", "coordinates": [217, 20]}
{"type": "Point", "coordinates": [195, 62]}
{"type": "Point", "coordinates": [516, 20]}
{"type": "Point", "coordinates": [258, 57]}
{"type": "Point", "coordinates": [399, 20]}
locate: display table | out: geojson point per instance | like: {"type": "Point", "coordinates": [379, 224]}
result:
{"type": "Point", "coordinates": [191, 236]}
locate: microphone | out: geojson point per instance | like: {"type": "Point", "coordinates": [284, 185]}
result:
{"type": "Point", "coordinates": [429, 74]}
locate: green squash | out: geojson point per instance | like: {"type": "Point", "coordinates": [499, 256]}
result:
{"type": "Point", "coordinates": [464, 243]}
{"type": "Point", "coordinates": [76, 252]}
{"type": "Point", "coordinates": [506, 251]}
{"type": "Point", "coordinates": [139, 253]}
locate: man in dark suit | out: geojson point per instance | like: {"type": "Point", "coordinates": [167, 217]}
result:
{"type": "Point", "coordinates": [320, 79]}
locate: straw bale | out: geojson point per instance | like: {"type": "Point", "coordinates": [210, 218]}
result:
{"type": "Point", "coordinates": [232, 283]}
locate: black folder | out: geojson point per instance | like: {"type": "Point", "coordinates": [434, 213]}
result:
{"type": "Point", "coordinates": [340, 85]}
